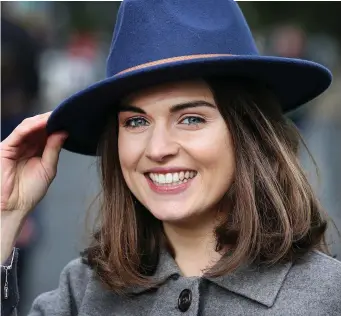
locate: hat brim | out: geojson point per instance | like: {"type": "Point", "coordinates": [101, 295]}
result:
{"type": "Point", "coordinates": [84, 114]}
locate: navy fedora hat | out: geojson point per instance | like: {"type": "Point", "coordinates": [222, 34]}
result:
{"type": "Point", "coordinates": [161, 40]}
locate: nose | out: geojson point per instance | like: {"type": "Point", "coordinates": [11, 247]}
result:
{"type": "Point", "coordinates": [161, 145]}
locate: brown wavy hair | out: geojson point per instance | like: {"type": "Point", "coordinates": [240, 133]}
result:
{"type": "Point", "coordinates": [275, 215]}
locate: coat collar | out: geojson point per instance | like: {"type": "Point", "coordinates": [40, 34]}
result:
{"type": "Point", "coordinates": [166, 269]}
{"type": "Point", "coordinates": [261, 284]}
{"type": "Point", "coordinates": [256, 283]}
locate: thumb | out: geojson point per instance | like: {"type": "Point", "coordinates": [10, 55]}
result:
{"type": "Point", "coordinates": [52, 150]}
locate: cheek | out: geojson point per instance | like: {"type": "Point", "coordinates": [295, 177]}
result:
{"type": "Point", "coordinates": [129, 152]}
{"type": "Point", "coordinates": [214, 151]}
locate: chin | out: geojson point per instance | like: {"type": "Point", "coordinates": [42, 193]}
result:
{"type": "Point", "coordinates": [171, 215]}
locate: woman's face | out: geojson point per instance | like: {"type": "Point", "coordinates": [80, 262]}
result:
{"type": "Point", "coordinates": [175, 150]}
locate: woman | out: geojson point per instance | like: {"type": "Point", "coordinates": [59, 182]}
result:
{"type": "Point", "coordinates": [205, 209]}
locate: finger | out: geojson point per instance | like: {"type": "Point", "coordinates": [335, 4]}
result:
{"type": "Point", "coordinates": [25, 128]}
{"type": "Point", "coordinates": [52, 150]}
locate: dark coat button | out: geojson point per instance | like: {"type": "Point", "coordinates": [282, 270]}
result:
{"type": "Point", "coordinates": [185, 300]}
{"type": "Point", "coordinates": [175, 276]}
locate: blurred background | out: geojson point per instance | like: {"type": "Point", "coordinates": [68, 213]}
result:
{"type": "Point", "coordinates": [51, 49]}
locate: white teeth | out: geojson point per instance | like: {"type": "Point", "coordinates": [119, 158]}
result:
{"type": "Point", "coordinates": [162, 178]}
{"type": "Point", "coordinates": [172, 178]}
{"type": "Point", "coordinates": [169, 178]}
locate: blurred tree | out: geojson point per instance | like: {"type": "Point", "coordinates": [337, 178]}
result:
{"type": "Point", "coordinates": [314, 16]}
{"type": "Point", "coordinates": [92, 15]}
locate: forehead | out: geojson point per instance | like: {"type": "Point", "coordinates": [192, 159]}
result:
{"type": "Point", "coordinates": [171, 93]}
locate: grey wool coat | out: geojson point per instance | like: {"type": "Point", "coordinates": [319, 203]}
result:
{"type": "Point", "coordinates": [310, 286]}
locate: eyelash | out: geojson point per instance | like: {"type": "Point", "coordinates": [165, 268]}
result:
{"type": "Point", "coordinates": [201, 120]}
{"type": "Point", "coordinates": [134, 119]}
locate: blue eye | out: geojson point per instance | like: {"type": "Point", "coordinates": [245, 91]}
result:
{"type": "Point", "coordinates": [192, 120]}
{"type": "Point", "coordinates": [135, 122]}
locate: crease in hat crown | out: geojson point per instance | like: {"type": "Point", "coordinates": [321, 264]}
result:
{"type": "Point", "coordinates": [151, 32]}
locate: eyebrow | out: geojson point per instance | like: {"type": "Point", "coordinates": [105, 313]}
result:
{"type": "Point", "coordinates": [174, 108]}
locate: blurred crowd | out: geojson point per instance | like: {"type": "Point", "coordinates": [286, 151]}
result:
{"type": "Point", "coordinates": [39, 68]}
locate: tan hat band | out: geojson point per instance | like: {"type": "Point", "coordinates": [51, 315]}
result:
{"type": "Point", "coordinates": [172, 59]}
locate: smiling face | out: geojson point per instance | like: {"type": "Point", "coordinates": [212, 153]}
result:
{"type": "Point", "coordinates": [175, 150]}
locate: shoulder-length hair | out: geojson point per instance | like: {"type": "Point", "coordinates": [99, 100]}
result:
{"type": "Point", "coordinates": [273, 214]}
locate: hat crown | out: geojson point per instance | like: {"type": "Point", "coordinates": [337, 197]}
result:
{"type": "Point", "coordinates": [152, 30]}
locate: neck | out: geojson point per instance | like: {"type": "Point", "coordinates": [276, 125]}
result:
{"type": "Point", "coordinates": [194, 244]}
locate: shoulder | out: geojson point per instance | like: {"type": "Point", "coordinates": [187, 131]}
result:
{"type": "Point", "coordinates": [320, 265]}
{"type": "Point", "coordinates": [314, 280]}
{"type": "Point", "coordinates": [76, 266]}
{"type": "Point", "coordinates": [77, 274]}
{"type": "Point", "coordinates": [68, 296]}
